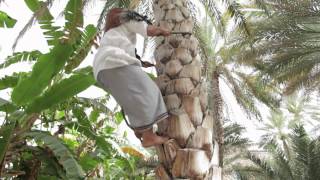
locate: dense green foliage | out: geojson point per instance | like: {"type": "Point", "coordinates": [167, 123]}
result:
{"type": "Point", "coordinates": [48, 131]}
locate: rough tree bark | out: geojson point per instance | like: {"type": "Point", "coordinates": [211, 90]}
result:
{"type": "Point", "coordinates": [188, 153]}
{"type": "Point", "coordinates": [217, 114]}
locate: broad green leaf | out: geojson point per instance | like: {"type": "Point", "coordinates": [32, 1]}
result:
{"type": "Point", "coordinates": [94, 115]}
{"type": "Point", "coordinates": [20, 57]}
{"type": "Point", "coordinates": [33, 5]}
{"type": "Point", "coordinates": [12, 80]}
{"type": "Point", "coordinates": [61, 91]}
{"type": "Point", "coordinates": [88, 162]}
{"type": "Point", "coordinates": [6, 20]}
{"type": "Point", "coordinates": [86, 70]}
{"type": "Point", "coordinates": [43, 71]}
{"type": "Point", "coordinates": [87, 131]}
{"type": "Point", "coordinates": [59, 115]}
{"type": "Point", "coordinates": [98, 104]}
{"type": "Point", "coordinates": [40, 8]}
{"type": "Point", "coordinates": [46, 177]}
{"type": "Point", "coordinates": [65, 158]}
{"type": "Point", "coordinates": [81, 116]}
{"type": "Point", "coordinates": [6, 106]}
{"type": "Point", "coordinates": [72, 144]}
{"type": "Point", "coordinates": [9, 81]}
{"type": "Point", "coordinates": [6, 132]}
{"type": "Point", "coordinates": [83, 125]}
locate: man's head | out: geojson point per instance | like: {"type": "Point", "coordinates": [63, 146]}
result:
{"type": "Point", "coordinates": [113, 18]}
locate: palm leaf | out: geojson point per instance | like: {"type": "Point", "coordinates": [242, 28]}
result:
{"type": "Point", "coordinates": [261, 91]}
{"type": "Point", "coordinates": [263, 165]}
{"type": "Point", "coordinates": [239, 18]}
{"type": "Point", "coordinates": [243, 96]}
{"type": "Point", "coordinates": [213, 12]}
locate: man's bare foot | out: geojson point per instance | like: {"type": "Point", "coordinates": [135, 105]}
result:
{"type": "Point", "coordinates": [151, 139]}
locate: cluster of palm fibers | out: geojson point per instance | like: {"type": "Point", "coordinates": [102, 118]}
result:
{"type": "Point", "coordinates": [190, 126]}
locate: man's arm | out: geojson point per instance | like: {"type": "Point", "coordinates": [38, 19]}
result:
{"type": "Point", "coordinates": [157, 31]}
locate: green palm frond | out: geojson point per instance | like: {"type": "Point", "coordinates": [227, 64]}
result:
{"type": "Point", "coordinates": [264, 166]}
{"type": "Point", "coordinates": [262, 5]}
{"type": "Point", "coordinates": [233, 10]}
{"type": "Point", "coordinates": [301, 145]}
{"type": "Point", "coordinates": [207, 45]}
{"type": "Point", "coordinates": [281, 160]}
{"type": "Point", "coordinates": [285, 45]}
{"type": "Point", "coordinates": [215, 15]}
{"type": "Point", "coordinates": [260, 90]}
{"type": "Point", "coordinates": [244, 98]}
{"type": "Point", "coordinates": [232, 136]}
{"type": "Point", "coordinates": [20, 57]}
{"type": "Point", "coordinates": [233, 129]}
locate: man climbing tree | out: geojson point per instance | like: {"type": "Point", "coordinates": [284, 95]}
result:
{"type": "Point", "coordinates": [118, 71]}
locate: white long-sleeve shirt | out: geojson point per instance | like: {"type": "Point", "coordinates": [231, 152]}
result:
{"type": "Point", "coordinates": [117, 46]}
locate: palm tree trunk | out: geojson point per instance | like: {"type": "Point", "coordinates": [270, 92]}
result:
{"type": "Point", "coordinates": [217, 112]}
{"type": "Point", "coordinates": [188, 153]}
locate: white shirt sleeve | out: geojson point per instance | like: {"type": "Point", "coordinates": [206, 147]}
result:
{"type": "Point", "coordinates": [139, 27]}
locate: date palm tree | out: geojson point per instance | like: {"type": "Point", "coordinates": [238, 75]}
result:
{"type": "Point", "coordinates": [179, 78]}
{"type": "Point", "coordinates": [285, 44]}
{"type": "Point", "coordinates": [303, 163]}
{"type": "Point", "coordinates": [247, 89]}
{"type": "Point", "coordinates": [189, 151]}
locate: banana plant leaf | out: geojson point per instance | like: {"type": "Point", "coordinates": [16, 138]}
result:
{"type": "Point", "coordinates": [43, 71]}
{"type": "Point", "coordinates": [61, 91]}
{"type": "Point", "coordinates": [61, 152]}
{"type": "Point", "coordinates": [6, 21]}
